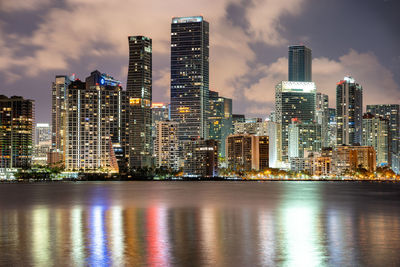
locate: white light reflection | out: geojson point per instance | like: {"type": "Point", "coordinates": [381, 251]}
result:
{"type": "Point", "coordinates": [40, 236]}
{"type": "Point", "coordinates": [209, 236]}
{"type": "Point", "coordinates": [77, 236]}
{"type": "Point", "coordinates": [267, 237]}
{"type": "Point", "coordinates": [117, 236]}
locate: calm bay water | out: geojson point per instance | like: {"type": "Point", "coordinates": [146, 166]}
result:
{"type": "Point", "coordinates": [200, 224]}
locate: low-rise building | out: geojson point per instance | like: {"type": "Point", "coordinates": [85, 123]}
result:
{"type": "Point", "coordinates": [350, 158]}
{"type": "Point", "coordinates": [200, 158]}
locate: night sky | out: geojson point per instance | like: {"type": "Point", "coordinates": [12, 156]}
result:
{"type": "Point", "coordinates": [248, 45]}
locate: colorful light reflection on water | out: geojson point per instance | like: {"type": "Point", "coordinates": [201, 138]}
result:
{"type": "Point", "coordinates": [200, 223]}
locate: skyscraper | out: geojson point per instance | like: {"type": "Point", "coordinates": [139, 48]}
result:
{"type": "Point", "coordinates": [294, 101]}
{"type": "Point", "coordinates": [300, 61]}
{"type": "Point", "coordinates": [166, 145]}
{"type": "Point", "coordinates": [220, 120]}
{"type": "Point", "coordinates": [59, 113]}
{"type": "Point", "coordinates": [322, 117]}
{"type": "Point", "coordinates": [375, 134]}
{"type": "Point", "coordinates": [139, 91]}
{"type": "Point", "coordinates": [95, 124]}
{"type": "Point", "coordinates": [391, 113]}
{"type": "Point", "coordinates": [16, 132]}
{"type": "Point", "coordinates": [42, 143]}
{"type": "Point", "coordinates": [349, 103]}
{"type": "Point", "coordinates": [190, 76]}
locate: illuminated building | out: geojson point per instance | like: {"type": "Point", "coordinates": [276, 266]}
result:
{"type": "Point", "coordinates": [293, 101]}
{"type": "Point", "coordinates": [220, 120]}
{"type": "Point", "coordinates": [320, 165]}
{"type": "Point", "coordinates": [95, 128]}
{"type": "Point", "coordinates": [349, 103]}
{"type": "Point", "coordinates": [391, 113]}
{"type": "Point", "coordinates": [43, 139]}
{"type": "Point", "coordinates": [303, 138]}
{"type": "Point", "coordinates": [349, 158]}
{"type": "Point", "coordinates": [253, 128]}
{"type": "Point", "coordinates": [275, 145]}
{"type": "Point", "coordinates": [59, 114]}
{"type": "Point", "coordinates": [300, 61]}
{"type": "Point", "coordinates": [16, 132]}
{"type": "Point", "coordinates": [322, 117]}
{"type": "Point", "coordinates": [190, 76]}
{"type": "Point", "coordinates": [159, 112]}
{"type": "Point", "coordinates": [375, 134]}
{"type": "Point", "coordinates": [166, 145]}
{"type": "Point", "coordinates": [332, 129]}
{"type": "Point", "coordinates": [200, 158]}
{"type": "Point", "coordinates": [247, 152]}
{"type": "Point", "coordinates": [139, 91]}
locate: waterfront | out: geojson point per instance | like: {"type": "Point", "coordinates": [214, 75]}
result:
{"type": "Point", "coordinates": [200, 223]}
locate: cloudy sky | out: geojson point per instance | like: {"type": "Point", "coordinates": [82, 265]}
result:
{"type": "Point", "coordinates": [248, 45]}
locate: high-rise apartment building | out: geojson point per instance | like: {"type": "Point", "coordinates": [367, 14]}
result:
{"type": "Point", "coordinates": [294, 101]}
{"type": "Point", "coordinates": [200, 158]}
{"type": "Point", "coordinates": [347, 159]}
{"type": "Point", "coordinates": [322, 117]}
{"type": "Point", "coordinates": [247, 152]}
{"type": "Point", "coordinates": [166, 145]}
{"type": "Point", "coordinates": [220, 120]}
{"type": "Point", "coordinates": [375, 131]}
{"type": "Point", "coordinates": [303, 139]}
{"type": "Point", "coordinates": [300, 61]}
{"type": "Point", "coordinates": [139, 91]}
{"type": "Point", "coordinates": [349, 106]}
{"type": "Point", "coordinates": [43, 137]}
{"type": "Point", "coordinates": [59, 113]}
{"type": "Point", "coordinates": [190, 76]}
{"type": "Point", "coordinates": [95, 124]}
{"type": "Point", "coordinates": [391, 113]}
{"type": "Point", "coordinates": [16, 132]}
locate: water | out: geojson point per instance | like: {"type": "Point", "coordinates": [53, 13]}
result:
{"type": "Point", "coordinates": [200, 224]}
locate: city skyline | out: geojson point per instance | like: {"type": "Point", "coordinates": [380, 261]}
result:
{"type": "Point", "coordinates": [247, 57]}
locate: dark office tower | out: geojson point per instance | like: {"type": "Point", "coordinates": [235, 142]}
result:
{"type": "Point", "coordinates": [392, 114]}
{"type": "Point", "coordinates": [16, 132]}
{"type": "Point", "coordinates": [220, 120]}
{"type": "Point", "coordinates": [349, 103]}
{"type": "Point", "coordinates": [190, 76]}
{"type": "Point", "coordinates": [139, 90]}
{"type": "Point", "coordinates": [59, 113]}
{"type": "Point", "coordinates": [300, 61]}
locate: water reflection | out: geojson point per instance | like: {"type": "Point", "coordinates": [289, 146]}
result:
{"type": "Point", "coordinates": [281, 224]}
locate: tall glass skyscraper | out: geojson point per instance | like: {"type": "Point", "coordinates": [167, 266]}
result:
{"type": "Point", "coordinates": [300, 62]}
{"type": "Point", "coordinates": [294, 102]}
{"type": "Point", "coordinates": [349, 103]}
{"type": "Point", "coordinates": [190, 76]}
{"type": "Point", "coordinates": [390, 112]}
{"type": "Point", "coordinates": [139, 91]}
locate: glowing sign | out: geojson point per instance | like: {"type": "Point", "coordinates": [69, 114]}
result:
{"type": "Point", "coordinates": [301, 87]}
{"type": "Point", "coordinates": [187, 19]}
{"type": "Point", "coordinates": [102, 81]}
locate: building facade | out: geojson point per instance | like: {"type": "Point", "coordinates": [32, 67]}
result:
{"type": "Point", "coordinates": [200, 158]}
{"type": "Point", "coordinates": [322, 117]}
{"type": "Point", "coordinates": [300, 63]}
{"type": "Point", "coordinates": [17, 117]}
{"type": "Point", "coordinates": [391, 113]}
{"type": "Point", "coordinates": [43, 138]}
{"type": "Point", "coordinates": [347, 159]}
{"type": "Point", "coordinates": [220, 120]}
{"type": "Point", "coordinates": [139, 91]}
{"type": "Point", "coordinates": [293, 101]}
{"type": "Point", "coordinates": [59, 99]}
{"type": "Point", "coordinates": [95, 129]}
{"type": "Point", "coordinates": [375, 133]}
{"type": "Point", "coordinates": [167, 145]}
{"type": "Point", "coordinates": [349, 106]}
{"type": "Point", "coordinates": [190, 76]}
{"type": "Point", "coordinates": [247, 152]}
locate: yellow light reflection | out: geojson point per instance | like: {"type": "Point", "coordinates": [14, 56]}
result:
{"type": "Point", "coordinates": [40, 236]}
